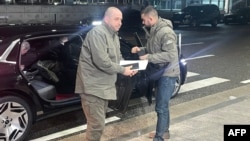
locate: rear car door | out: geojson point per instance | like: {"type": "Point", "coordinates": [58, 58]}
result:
{"type": "Point", "coordinates": [124, 85]}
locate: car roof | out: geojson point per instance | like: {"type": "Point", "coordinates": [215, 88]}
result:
{"type": "Point", "coordinates": [202, 5]}
{"type": "Point", "coordinates": [9, 31]}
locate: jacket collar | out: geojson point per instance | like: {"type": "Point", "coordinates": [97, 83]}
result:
{"type": "Point", "coordinates": [154, 27]}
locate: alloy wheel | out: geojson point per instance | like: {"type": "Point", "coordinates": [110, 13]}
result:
{"type": "Point", "coordinates": [15, 118]}
{"type": "Point", "coordinates": [177, 86]}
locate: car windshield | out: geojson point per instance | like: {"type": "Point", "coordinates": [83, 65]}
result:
{"type": "Point", "coordinates": [242, 11]}
{"type": "Point", "coordinates": [190, 9]}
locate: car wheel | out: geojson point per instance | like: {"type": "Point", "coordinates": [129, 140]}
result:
{"type": "Point", "coordinates": [194, 23]}
{"type": "Point", "coordinates": [177, 86]}
{"type": "Point", "coordinates": [214, 23]}
{"type": "Point", "coordinates": [15, 118]}
{"type": "Point", "coordinates": [243, 22]}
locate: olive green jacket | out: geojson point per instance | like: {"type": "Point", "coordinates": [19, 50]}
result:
{"type": "Point", "coordinates": [99, 63]}
{"type": "Point", "coordinates": [162, 46]}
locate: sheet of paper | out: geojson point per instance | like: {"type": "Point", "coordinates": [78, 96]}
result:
{"type": "Point", "coordinates": [134, 63]}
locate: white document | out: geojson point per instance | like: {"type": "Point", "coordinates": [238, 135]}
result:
{"type": "Point", "coordinates": [136, 64]}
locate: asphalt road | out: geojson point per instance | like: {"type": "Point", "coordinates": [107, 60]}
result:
{"type": "Point", "coordinates": [217, 58]}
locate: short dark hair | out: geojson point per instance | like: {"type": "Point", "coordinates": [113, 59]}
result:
{"type": "Point", "coordinates": [150, 10]}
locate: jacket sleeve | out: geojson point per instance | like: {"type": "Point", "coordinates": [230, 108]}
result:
{"type": "Point", "coordinates": [97, 44]}
{"type": "Point", "coordinates": [168, 47]}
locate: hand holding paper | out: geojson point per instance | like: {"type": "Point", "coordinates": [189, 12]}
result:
{"type": "Point", "coordinates": [136, 64]}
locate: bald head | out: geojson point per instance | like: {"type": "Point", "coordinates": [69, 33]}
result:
{"type": "Point", "coordinates": [113, 18]}
{"type": "Point", "coordinates": [111, 11]}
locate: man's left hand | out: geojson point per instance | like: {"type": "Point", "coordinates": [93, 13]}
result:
{"type": "Point", "coordinates": [144, 57]}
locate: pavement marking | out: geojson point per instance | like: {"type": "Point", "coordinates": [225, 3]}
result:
{"type": "Point", "coordinates": [189, 44]}
{"type": "Point", "coordinates": [199, 57]}
{"type": "Point", "coordinates": [190, 74]}
{"type": "Point", "coordinates": [71, 131]}
{"type": "Point", "coordinates": [201, 84]}
{"type": "Point", "coordinates": [245, 81]}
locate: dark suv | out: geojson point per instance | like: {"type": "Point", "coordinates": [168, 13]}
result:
{"type": "Point", "coordinates": [45, 87]}
{"type": "Point", "coordinates": [240, 16]}
{"type": "Point", "coordinates": [194, 15]}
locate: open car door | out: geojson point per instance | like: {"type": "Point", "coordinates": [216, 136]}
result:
{"type": "Point", "coordinates": [124, 84]}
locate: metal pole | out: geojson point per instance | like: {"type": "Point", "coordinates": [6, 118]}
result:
{"type": "Point", "coordinates": [179, 41]}
{"type": "Point", "coordinates": [55, 18]}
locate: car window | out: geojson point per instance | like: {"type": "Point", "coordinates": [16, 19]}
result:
{"type": "Point", "coordinates": [56, 59]}
{"type": "Point", "coordinates": [13, 54]}
{"type": "Point", "coordinates": [243, 11]}
{"type": "Point", "coordinates": [2, 45]}
{"type": "Point", "coordinates": [192, 9]}
{"type": "Point", "coordinates": [187, 9]}
{"type": "Point", "coordinates": [240, 11]}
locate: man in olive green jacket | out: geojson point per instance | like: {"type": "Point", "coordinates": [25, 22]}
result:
{"type": "Point", "coordinates": [97, 71]}
{"type": "Point", "coordinates": [161, 47]}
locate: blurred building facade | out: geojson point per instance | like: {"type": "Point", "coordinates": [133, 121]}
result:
{"type": "Point", "coordinates": [72, 11]}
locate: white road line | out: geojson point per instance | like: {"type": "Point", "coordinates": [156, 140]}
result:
{"type": "Point", "coordinates": [189, 44]}
{"type": "Point", "coordinates": [245, 81]}
{"type": "Point", "coordinates": [190, 74]}
{"type": "Point", "coordinates": [70, 131]}
{"type": "Point", "coordinates": [201, 84]}
{"type": "Point", "coordinates": [205, 56]}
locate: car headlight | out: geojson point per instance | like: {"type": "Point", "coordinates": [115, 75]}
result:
{"type": "Point", "coordinates": [96, 22]}
{"type": "Point", "coordinates": [183, 61]}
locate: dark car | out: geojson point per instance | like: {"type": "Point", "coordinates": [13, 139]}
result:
{"type": "Point", "coordinates": [194, 15]}
{"type": "Point", "coordinates": [45, 87]}
{"type": "Point", "coordinates": [240, 16]}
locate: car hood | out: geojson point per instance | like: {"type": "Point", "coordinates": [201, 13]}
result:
{"type": "Point", "coordinates": [180, 15]}
{"type": "Point", "coordinates": [231, 15]}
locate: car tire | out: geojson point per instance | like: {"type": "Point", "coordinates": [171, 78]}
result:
{"type": "Point", "coordinates": [16, 118]}
{"type": "Point", "coordinates": [177, 86]}
{"type": "Point", "coordinates": [243, 22]}
{"type": "Point", "coordinates": [194, 23]}
{"type": "Point", "coordinates": [214, 23]}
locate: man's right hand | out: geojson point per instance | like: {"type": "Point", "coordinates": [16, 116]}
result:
{"type": "Point", "coordinates": [135, 49]}
{"type": "Point", "coordinates": [129, 72]}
